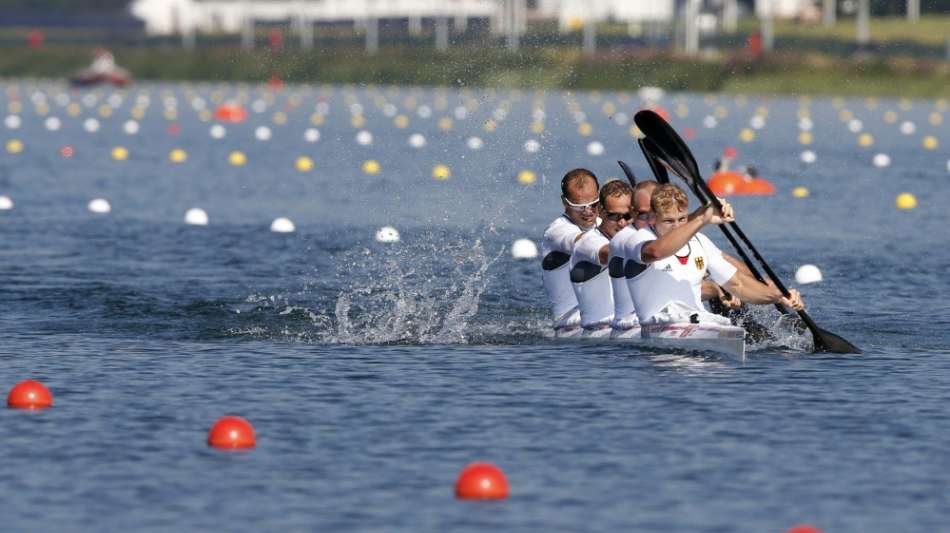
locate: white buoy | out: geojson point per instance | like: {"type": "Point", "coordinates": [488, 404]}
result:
{"type": "Point", "coordinates": [6, 203]}
{"type": "Point", "coordinates": [621, 119]}
{"type": "Point", "coordinates": [424, 111]}
{"type": "Point", "coordinates": [499, 114]}
{"type": "Point", "coordinates": [881, 160]}
{"type": "Point", "coordinates": [595, 148]}
{"type": "Point", "coordinates": [531, 146]}
{"type": "Point", "coordinates": [12, 122]}
{"type": "Point", "coordinates": [948, 165]}
{"type": "Point", "coordinates": [855, 125]}
{"type": "Point", "coordinates": [908, 128]}
{"type": "Point", "coordinates": [262, 133]}
{"type": "Point", "coordinates": [311, 135]}
{"type": "Point", "coordinates": [258, 106]}
{"type": "Point", "coordinates": [322, 108]}
{"type": "Point", "coordinates": [807, 274]}
{"type": "Point", "coordinates": [538, 114]}
{"type": "Point", "coordinates": [805, 124]}
{"type": "Point", "coordinates": [417, 140]}
{"type": "Point", "coordinates": [282, 225]}
{"type": "Point", "coordinates": [99, 206]}
{"type": "Point", "coordinates": [364, 138]}
{"type": "Point", "coordinates": [91, 125]}
{"type": "Point", "coordinates": [808, 157]}
{"type": "Point", "coordinates": [757, 122]}
{"type": "Point", "coordinates": [53, 123]}
{"type": "Point", "coordinates": [217, 131]}
{"type": "Point", "coordinates": [130, 127]}
{"type": "Point", "coordinates": [650, 94]}
{"type": "Point", "coordinates": [356, 109]}
{"type": "Point", "coordinates": [387, 234]}
{"type": "Point", "coordinates": [710, 122]}
{"type": "Point", "coordinates": [460, 112]}
{"type": "Point", "coordinates": [390, 110]}
{"type": "Point", "coordinates": [524, 249]}
{"type": "Point", "coordinates": [474, 143]}
{"type": "Point", "coordinates": [196, 217]}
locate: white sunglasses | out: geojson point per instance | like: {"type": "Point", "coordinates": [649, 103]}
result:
{"type": "Point", "coordinates": [580, 207]}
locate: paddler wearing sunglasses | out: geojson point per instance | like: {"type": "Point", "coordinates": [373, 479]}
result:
{"type": "Point", "coordinates": [665, 264]}
{"type": "Point", "coordinates": [579, 195]}
{"type": "Point", "coordinates": [591, 280]}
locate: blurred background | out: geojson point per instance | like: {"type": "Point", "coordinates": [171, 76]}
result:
{"type": "Point", "coordinates": [773, 46]}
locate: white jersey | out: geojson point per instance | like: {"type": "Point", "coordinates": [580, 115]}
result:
{"type": "Point", "coordinates": [677, 278]}
{"type": "Point", "coordinates": [625, 317]}
{"type": "Point", "coordinates": [556, 249]}
{"type": "Point", "coordinates": [591, 281]}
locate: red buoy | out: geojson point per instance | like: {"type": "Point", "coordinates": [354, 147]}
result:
{"type": "Point", "coordinates": [805, 528]}
{"type": "Point", "coordinates": [231, 432]}
{"type": "Point", "coordinates": [481, 481]}
{"type": "Point", "coordinates": [230, 113]}
{"type": "Point", "coordinates": [67, 151]}
{"type": "Point", "coordinates": [29, 394]}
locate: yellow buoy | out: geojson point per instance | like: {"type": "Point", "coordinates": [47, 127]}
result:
{"type": "Point", "coordinates": [585, 129]}
{"type": "Point", "coordinates": [936, 118]}
{"type": "Point", "coordinates": [120, 153]}
{"type": "Point", "coordinates": [890, 117]}
{"type": "Point", "coordinates": [280, 118]}
{"type": "Point", "coordinates": [537, 128]}
{"type": "Point", "coordinates": [137, 113]}
{"type": "Point", "coordinates": [844, 115]}
{"type": "Point", "coordinates": [865, 139]}
{"type": "Point", "coordinates": [746, 135]}
{"type": "Point", "coordinates": [303, 164]}
{"type": "Point", "coordinates": [357, 121]}
{"type": "Point", "coordinates": [317, 119]}
{"type": "Point", "coordinates": [401, 121]}
{"type": "Point", "coordinates": [178, 155]}
{"type": "Point", "coordinates": [105, 111]}
{"type": "Point", "coordinates": [14, 146]}
{"type": "Point", "coordinates": [800, 192]}
{"type": "Point", "coordinates": [73, 109]}
{"type": "Point", "coordinates": [170, 114]}
{"type": "Point", "coordinates": [15, 107]}
{"type": "Point", "coordinates": [237, 158]}
{"type": "Point", "coordinates": [441, 172]}
{"type": "Point", "coordinates": [805, 137]}
{"type": "Point", "coordinates": [371, 167]}
{"type": "Point", "coordinates": [445, 123]}
{"type": "Point", "coordinates": [526, 177]}
{"type": "Point", "coordinates": [930, 142]}
{"type": "Point", "coordinates": [490, 125]}
{"type": "Point", "coordinates": [635, 132]}
{"type": "Point", "coordinates": [906, 200]}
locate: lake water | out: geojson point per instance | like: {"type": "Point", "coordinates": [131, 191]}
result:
{"type": "Point", "coordinates": [374, 372]}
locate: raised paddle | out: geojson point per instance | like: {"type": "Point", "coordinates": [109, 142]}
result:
{"type": "Point", "coordinates": [673, 151]}
{"type": "Point", "coordinates": [629, 173]}
{"type": "Point", "coordinates": [659, 171]}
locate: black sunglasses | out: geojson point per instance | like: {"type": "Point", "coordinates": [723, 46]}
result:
{"type": "Point", "coordinates": [614, 217]}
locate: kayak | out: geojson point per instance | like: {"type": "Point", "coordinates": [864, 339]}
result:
{"type": "Point", "coordinates": [728, 341]}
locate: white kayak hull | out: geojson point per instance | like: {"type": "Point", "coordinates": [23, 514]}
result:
{"type": "Point", "coordinates": [724, 340]}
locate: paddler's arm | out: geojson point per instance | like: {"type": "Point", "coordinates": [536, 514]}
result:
{"type": "Point", "coordinates": [603, 254]}
{"type": "Point", "coordinates": [667, 245]}
{"type": "Point", "coordinates": [711, 291]}
{"type": "Point", "coordinates": [750, 290]}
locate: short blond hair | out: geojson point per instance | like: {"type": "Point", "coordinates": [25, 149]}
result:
{"type": "Point", "coordinates": [614, 188]}
{"type": "Point", "coordinates": [666, 197]}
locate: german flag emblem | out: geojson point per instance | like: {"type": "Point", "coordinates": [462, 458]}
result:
{"type": "Point", "coordinates": [699, 262]}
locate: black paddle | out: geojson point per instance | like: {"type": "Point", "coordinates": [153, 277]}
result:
{"type": "Point", "coordinates": [673, 151]}
{"type": "Point", "coordinates": [659, 171]}
{"type": "Point", "coordinates": [626, 170]}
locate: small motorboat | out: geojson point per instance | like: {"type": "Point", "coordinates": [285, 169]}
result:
{"type": "Point", "coordinates": [103, 70]}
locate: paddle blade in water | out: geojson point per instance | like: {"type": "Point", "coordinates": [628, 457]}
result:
{"type": "Point", "coordinates": [826, 341]}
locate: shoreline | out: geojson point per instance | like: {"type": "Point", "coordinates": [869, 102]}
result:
{"type": "Point", "coordinates": [783, 73]}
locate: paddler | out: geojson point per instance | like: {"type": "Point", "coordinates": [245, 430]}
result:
{"type": "Point", "coordinates": [666, 262]}
{"type": "Point", "coordinates": [579, 195]}
{"type": "Point", "coordinates": [593, 285]}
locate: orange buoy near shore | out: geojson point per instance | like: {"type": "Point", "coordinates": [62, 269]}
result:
{"type": "Point", "coordinates": [230, 113]}
{"type": "Point", "coordinates": [735, 184]}
{"type": "Point", "coordinates": [29, 394]}
{"type": "Point", "coordinates": [481, 481]}
{"type": "Point", "coordinates": [231, 432]}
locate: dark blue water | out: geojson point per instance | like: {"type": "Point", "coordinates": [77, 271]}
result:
{"type": "Point", "coordinates": [374, 372]}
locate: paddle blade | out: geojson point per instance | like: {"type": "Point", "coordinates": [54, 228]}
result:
{"type": "Point", "coordinates": [660, 132]}
{"type": "Point", "coordinates": [826, 341]}
{"type": "Point", "coordinates": [650, 150]}
{"type": "Point", "coordinates": [629, 173]}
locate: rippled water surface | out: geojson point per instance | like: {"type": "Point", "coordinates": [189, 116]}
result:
{"type": "Point", "coordinates": [373, 372]}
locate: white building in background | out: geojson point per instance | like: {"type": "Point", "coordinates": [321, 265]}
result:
{"type": "Point", "coordinates": [163, 17]}
{"type": "Point", "coordinates": [572, 14]}
{"type": "Point", "coordinates": [787, 9]}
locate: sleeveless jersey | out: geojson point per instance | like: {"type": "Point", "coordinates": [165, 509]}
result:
{"type": "Point", "coordinates": [591, 281]}
{"type": "Point", "coordinates": [624, 315]}
{"type": "Point", "coordinates": [677, 278]}
{"type": "Point", "coordinates": [556, 249]}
